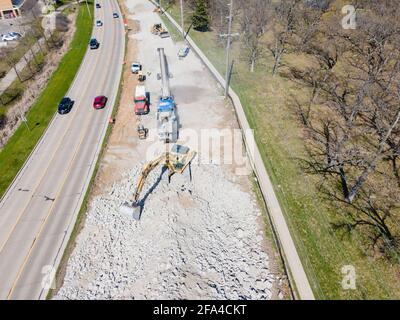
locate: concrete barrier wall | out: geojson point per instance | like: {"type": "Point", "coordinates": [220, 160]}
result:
{"type": "Point", "coordinates": [295, 270]}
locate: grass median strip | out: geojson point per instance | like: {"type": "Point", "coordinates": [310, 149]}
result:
{"type": "Point", "coordinates": [20, 145]}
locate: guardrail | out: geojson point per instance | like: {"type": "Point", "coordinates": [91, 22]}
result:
{"type": "Point", "coordinates": [292, 263]}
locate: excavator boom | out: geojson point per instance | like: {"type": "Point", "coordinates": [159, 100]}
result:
{"type": "Point", "coordinates": [176, 160]}
{"type": "Point", "coordinates": [143, 176]}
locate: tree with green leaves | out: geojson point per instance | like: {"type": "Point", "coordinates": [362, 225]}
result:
{"type": "Point", "coordinates": [201, 17]}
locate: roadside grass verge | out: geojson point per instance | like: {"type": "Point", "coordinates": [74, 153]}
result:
{"type": "Point", "coordinates": [20, 145]}
{"type": "Point", "coordinates": [268, 107]}
{"type": "Point", "coordinates": [176, 36]}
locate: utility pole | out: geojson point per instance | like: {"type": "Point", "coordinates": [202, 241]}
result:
{"type": "Point", "coordinates": [229, 36]}
{"type": "Point", "coordinates": [182, 26]}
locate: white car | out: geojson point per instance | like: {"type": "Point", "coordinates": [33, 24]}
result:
{"type": "Point", "coordinates": [136, 67]}
{"type": "Point", "coordinates": [11, 36]}
{"type": "Point", "coordinates": [99, 23]}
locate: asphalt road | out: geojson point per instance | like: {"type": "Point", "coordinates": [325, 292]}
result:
{"type": "Point", "coordinates": [39, 210]}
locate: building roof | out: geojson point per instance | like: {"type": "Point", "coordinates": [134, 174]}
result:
{"type": "Point", "coordinates": [5, 4]}
{"type": "Point", "coordinates": [10, 4]}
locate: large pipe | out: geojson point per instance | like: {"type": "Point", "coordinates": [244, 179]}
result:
{"type": "Point", "coordinates": [165, 92]}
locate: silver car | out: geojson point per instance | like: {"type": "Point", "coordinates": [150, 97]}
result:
{"type": "Point", "coordinates": [183, 52]}
{"type": "Point", "coordinates": [11, 36]}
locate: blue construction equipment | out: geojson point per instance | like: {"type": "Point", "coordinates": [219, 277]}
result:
{"type": "Point", "coordinates": [167, 124]}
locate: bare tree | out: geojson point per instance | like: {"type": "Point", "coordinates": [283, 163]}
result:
{"type": "Point", "coordinates": [219, 12]}
{"type": "Point", "coordinates": [282, 27]}
{"type": "Point", "coordinates": [254, 18]}
{"type": "Point", "coordinates": [38, 31]}
{"type": "Point", "coordinates": [12, 61]}
{"type": "Point", "coordinates": [353, 126]}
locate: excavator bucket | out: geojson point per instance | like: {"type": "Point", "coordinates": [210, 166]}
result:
{"type": "Point", "coordinates": [130, 210]}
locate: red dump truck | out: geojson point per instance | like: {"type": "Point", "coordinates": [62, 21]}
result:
{"type": "Point", "coordinates": [141, 100]}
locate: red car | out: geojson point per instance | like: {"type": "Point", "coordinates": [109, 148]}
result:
{"type": "Point", "coordinates": [99, 102]}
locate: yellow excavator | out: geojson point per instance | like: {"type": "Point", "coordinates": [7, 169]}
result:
{"type": "Point", "coordinates": [176, 161]}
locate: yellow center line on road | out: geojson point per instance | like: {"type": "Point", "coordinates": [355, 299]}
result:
{"type": "Point", "coordinates": [71, 121]}
{"type": "Point", "coordinates": [50, 210]}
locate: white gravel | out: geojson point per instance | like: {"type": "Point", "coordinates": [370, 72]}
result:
{"type": "Point", "coordinates": [195, 240]}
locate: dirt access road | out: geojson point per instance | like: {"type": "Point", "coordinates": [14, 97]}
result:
{"type": "Point", "coordinates": [199, 239]}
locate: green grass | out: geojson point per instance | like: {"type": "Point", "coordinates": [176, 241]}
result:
{"type": "Point", "coordinates": [266, 101]}
{"type": "Point", "coordinates": [173, 32]}
{"type": "Point", "coordinates": [20, 145]}
{"type": "Point", "coordinates": [11, 95]}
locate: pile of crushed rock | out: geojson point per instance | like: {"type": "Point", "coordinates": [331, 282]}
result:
{"type": "Point", "coordinates": [196, 239]}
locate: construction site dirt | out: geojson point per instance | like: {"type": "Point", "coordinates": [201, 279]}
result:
{"type": "Point", "coordinates": [201, 235]}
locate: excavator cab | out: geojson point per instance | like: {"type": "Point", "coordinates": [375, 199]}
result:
{"type": "Point", "coordinates": [175, 160]}
{"type": "Point", "coordinates": [181, 156]}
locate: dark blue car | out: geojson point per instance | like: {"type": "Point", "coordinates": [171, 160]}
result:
{"type": "Point", "coordinates": [94, 44]}
{"type": "Point", "coordinates": [65, 105]}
